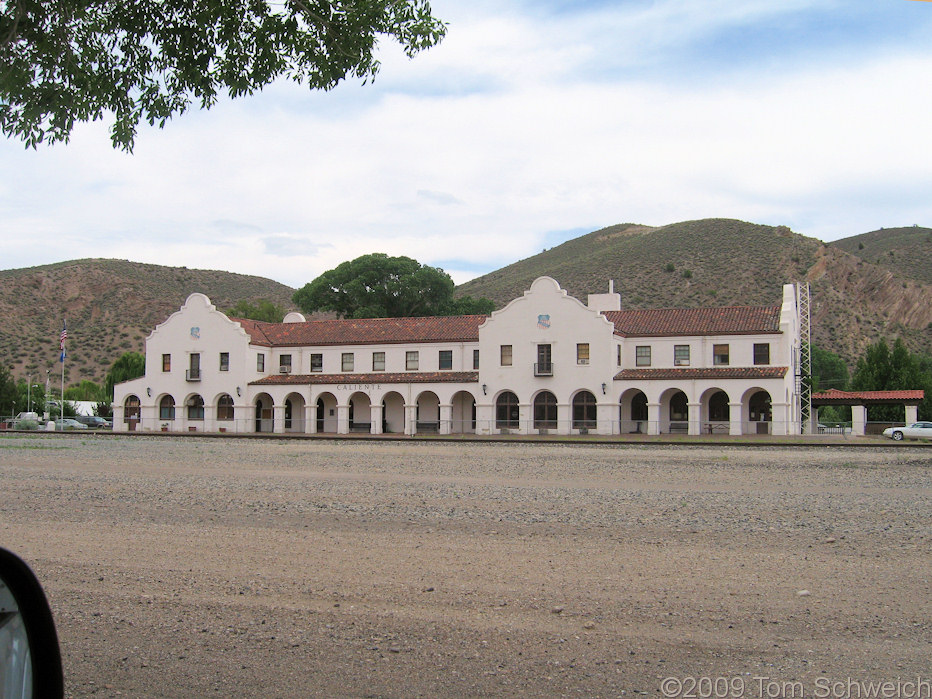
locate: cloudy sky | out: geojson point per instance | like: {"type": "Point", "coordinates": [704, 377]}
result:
{"type": "Point", "coordinates": [534, 121]}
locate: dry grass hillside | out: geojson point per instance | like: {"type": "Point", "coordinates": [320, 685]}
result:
{"type": "Point", "coordinates": [720, 262]}
{"type": "Point", "coordinates": [111, 307]}
{"type": "Point", "coordinates": [873, 285]}
{"type": "Point", "coordinates": [905, 251]}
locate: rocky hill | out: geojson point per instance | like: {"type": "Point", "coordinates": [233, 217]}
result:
{"type": "Point", "coordinates": [720, 262]}
{"type": "Point", "coordinates": [111, 306]}
{"type": "Point", "coordinates": [878, 284]}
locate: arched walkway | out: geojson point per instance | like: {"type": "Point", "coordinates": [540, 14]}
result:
{"type": "Point", "coordinates": [360, 413]}
{"type": "Point", "coordinates": [264, 413]}
{"type": "Point", "coordinates": [632, 412]}
{"type": "Point", "coordinates": [427, 413]}
{"type": "Point", "coordinates": [326, 413]}
{"type": "Point", "coordinates": [295, 413]}
{"type": "Point", "coordinates": [393, 413]}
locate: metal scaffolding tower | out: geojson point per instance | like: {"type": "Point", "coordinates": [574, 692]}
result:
{"type": "Point", "coordinates": [804, 358]}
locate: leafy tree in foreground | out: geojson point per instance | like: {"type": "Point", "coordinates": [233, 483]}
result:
{"type": "Point", "coordinates": [828, 370]}
{"type": "Point", "coordinates": [263, 310]}
{"type": "Point", "coordinates": [131, 365]}
{"type": "Point", "coordinates": [379, 286]}
{"type": "Point", "coordinates": [68, 60]}
{"type": "Point", "coordinates": [8, 391]}
{"type": "Point", "coordinates": [86, 390]}
{"type": "Point", "coordinates": [881, 369]}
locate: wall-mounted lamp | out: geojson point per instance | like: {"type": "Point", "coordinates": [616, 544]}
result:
{"type": "Point", "coordinates": [484, 389]}
{"type": "Point", "coordinates": [239, 391]}
{"type": "Point", "coordinates": [604, 386]}
{"type": "Point", "coordinates": [149, 392]}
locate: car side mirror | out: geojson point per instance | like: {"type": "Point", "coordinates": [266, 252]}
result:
{"type": "Point", "coordinates": [30, 658]}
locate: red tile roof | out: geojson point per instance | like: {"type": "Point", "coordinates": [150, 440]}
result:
{"type": "Point", "coordinates": [833, 395]}
{"type": "Point", "coordinates": [730, 320]}
{"type": "Point", "coordinates": [366, 331]}
{"type": "Point", "coordinates": [737, 372]}
{"type": "Point", "coordinates": [408, 377]}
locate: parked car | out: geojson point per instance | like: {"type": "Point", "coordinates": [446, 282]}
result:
{"type": "Point", "coordinates": [917, 430]}
{"type": "Point", "coordinates": [94, 422]}
{"type": "Point", "coordinates": [69, 424]}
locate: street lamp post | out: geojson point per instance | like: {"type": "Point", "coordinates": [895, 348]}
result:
{"type": "Point", "coordinates": [29, 393]}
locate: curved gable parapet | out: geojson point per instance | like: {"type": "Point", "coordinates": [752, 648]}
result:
{"type": "Point", "coordinates": [541, 287]}
{"type": "Point", "coordinates": [198, 302]}
{"type": "Point", "coordinates": [294, 317]}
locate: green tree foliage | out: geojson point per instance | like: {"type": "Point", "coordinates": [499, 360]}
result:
{"type": "Point", "coordinates": [881, 369]}
{"type": "Point", "coordinates": [828, 371]}
{"type": "Point", "coordinates": [66, 61]}
{"type": "Point", "coordinates": [86, 390]}
{"type": "Point", "coordinates": [30, 399]}
{"type": "Point", "coordinates": [131, 365]}
{"type": "Point", "coordinates": [263, 309]}
{"type": "Point", "coordinates": [379, 286]}
{"type": "Point", "coordinates": [9, 395]}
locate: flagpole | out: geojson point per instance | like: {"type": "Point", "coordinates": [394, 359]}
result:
{"type": "Point", "coordinates": [62, 338]}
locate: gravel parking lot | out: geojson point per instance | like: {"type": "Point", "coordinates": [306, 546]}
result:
{"type": "Point", "coordinates": [192, 567]}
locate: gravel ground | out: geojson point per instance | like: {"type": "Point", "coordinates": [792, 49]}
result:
{"type": "Point", "coordinates": [187, 567]}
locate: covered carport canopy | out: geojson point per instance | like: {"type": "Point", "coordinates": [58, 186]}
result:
{"type": "Point", "coordinates": [860, 400]}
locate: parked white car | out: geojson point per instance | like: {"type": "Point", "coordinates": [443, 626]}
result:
{"type": "Point", "coordinates": [917, 430]}
{"type": "Point", "coordinates": [69, 424]}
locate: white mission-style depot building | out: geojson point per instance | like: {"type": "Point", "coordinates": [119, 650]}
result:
{"type": "Point", "coordinates": [546, 363]}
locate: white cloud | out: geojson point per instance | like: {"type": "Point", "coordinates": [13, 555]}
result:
{"type": "Point", "coordinates": [472, 152]}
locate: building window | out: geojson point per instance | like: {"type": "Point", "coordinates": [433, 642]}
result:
{"type": "Point", "coordinates": [618, 357]}
{"type": "Point", "coordinates": [195, 408]}
{"type": "Point", "coordinates": [378, 361]}
{"type": "Point", "coordinates": [584, 411]}
{"type": "Point", "coordinates": [317, 363]}
{"type": "Point", "coordinates": [225, 407]}
{"type": "Point", "coordinates": [506, 355]}
{"type": "Point", "coordinates": [544, 366]}
{"type": "Point", "coordinates": [411, 360]}
{"type": "Point", "coordinates": [347, 361]}
{"type": "Point", "coordinates": [284, 364]}
{"type": "Point", "coordinates": [762, 353]}
{"type": "Point", "coordinates": [680, 355]}
{"type": "Point", "coordinates": [720, 355]}
{"type": "Point", "coordinates": [224, 361]}
{"type": "Point", "coordinates": [167, 408]}
{"type": "Point", "coordinates": [475, 359]}
{"type": "Point", "coordinates": [194, 367]}
{"type": "Point", "coordinates": [506, 410]}
{"type": "Point", "coordinates": [260, 363]}
{"type": "Point", "coordinates": [446, 359]}
{"type": "Point", "coordinates": [545, 411]}
{"type": "Point", "coordinates": [166, 362]}
{"type": "Point", "coordinates": [642, 355]}
{"type": "Point", "coordinates": [582, 353]}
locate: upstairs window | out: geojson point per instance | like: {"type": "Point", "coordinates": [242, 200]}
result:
{"type": "Point", "coordinates": [378, 361]}
{"type": "Point", "coordinates": [347, 361]}
{"type": "Point", "coordinates": [642, 355]}
{"type": "Point", "coordinates": [224, 361]}
{"type": "Point", "coordinates": [411, 361]}
{"type": "Point", "coordinates": [720, 355]}
{"type": "Point", "coordinates": [260, 363]}
{"type": "Point", "coordinates": [582, 353]}
{"type": "Point", "coordinates": [446, 360]}
{"type": "Point", "coordinates": [762, 353]}
{"type": "Point", "coordinates": [166, 362]}
{"type": "Point", "coordinates": [618, 356]}
{"type": "Point", "coordinates": [317, 362]}
{"type": "Point", "coordinates": [284, 364]}
{"type": "Point", "coordinates": [506, 355]}
{"type": "Point", "coordinates": [680, 355]}
{"type": "Point", "coordinates": [475, 359]}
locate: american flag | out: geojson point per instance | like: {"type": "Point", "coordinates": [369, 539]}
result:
{"type": "Point", "coordinates": [61, 340]}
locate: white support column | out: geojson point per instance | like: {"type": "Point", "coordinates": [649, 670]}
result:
{"type": "Point", "coordinates": [343, 419]}
{"type": "Point", "coordinates": [375, 418]}
{"type": "Point", "coordinates": [653, 418]}
{"type": "Point", "coordinates": [606, 418]}
{"type": "Point", "coordinates": [858, 420]}
{"type": "Point", "coordinates": [783, 422]}
{"type": "Point", "coordinates": [734, 418]}
{"type": "Point", "coordinates": [410, 418]}
{"type": "Point", "coordinates": [564, 418]}
{"type": "Point", "coordinates": [446, 418]}
{"type": "Point", "coordinates": [695, 414]}
{"type": "Point", "coordinates": [278, 419]}
{"type": "Point", "coordinates": [912, 414]}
